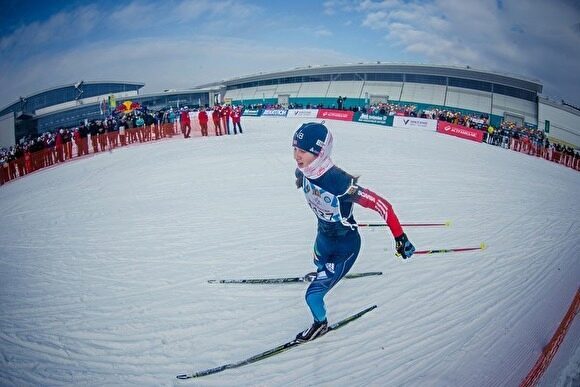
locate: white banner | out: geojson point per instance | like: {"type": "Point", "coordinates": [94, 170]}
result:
{"type": "Point", "coordinates": [414, 123]}
{"type": "Point", "coordinates": [303, 113]}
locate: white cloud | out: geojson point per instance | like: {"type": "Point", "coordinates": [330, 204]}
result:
{"type": "Point", "coordinates": [60, 27]}
{"type": "Point", "coordinates": [537, 39]}
{"type": "Point", "coordinates": [160, 62]}
{"type": "Point", "coordinates": [180, 43]}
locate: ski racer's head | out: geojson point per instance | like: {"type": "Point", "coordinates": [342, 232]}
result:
{"type": "Point", "coordinates": [311, 137]}
{"type": "Point", "coordinates": [312, 141]}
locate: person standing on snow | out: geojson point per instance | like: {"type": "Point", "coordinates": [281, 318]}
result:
{"type": "Point", "coordinates": [331, 192]}
{"type": "Point", "coordinates": [185, 122]}
{"type": "Point", "coordinates": [236, 119]}
{"type": "Point", "coordinates": [203, 119]}
{"type": "Point", "coordinates": [215, 115]}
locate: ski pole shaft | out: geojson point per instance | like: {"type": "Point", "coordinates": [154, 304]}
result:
{"type": "Point", "coordinates": [445, 224]}
{"type": "Point", "coordinates": [482, 246]}
{"type": "Point", "coordinates": [454, 250]}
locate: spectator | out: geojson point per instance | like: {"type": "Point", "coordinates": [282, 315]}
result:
{"type": "Point", "coordinates": [236, 118]}
{"type": "Point", "coordinates": [185, 122]}
{"type": "Point", "coordinates": [225, 114]}
{"type": "Point", "coordinates": [203, 119]}
{"type": "Point", "coordinates": [215, 115]}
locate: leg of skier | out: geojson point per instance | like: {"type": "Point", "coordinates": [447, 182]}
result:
{"type": "Point", "coordinates": [333, 261]}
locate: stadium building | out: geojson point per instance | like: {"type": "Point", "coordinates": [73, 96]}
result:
{"type": "Point", "coordinates": [67, 106]}
{"type": "Point", "coordinates": [470, 91]}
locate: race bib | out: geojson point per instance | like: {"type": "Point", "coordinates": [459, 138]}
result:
{"type": "Point", "coordinates": [324, 204]}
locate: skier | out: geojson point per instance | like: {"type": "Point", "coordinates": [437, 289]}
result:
{"type": "Point", "coordinates": [331, 193]}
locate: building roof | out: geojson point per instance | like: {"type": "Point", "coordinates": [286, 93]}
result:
{"type": "Point", "coordinates": [13, 106]}
{"type": "Point", "coordinates": [382, 67]}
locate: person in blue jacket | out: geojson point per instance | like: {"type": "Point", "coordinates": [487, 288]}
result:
{"type": "Point", "coordinates": [331, 193]}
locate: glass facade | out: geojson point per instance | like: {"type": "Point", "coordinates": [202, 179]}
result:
{"type": "Point", "coordinates": [465, 83]}
{"type": "Point", "coordinates": [514, 92]}
{"type": "Point", "coordinates": [73, 117]}
{"type": "Point", "coordinates": [470, 84]}
{"type": "Point", "coordinates": [425, 78]}
{"type": "Point", "coordinates": [67, 94]}
{"type": "Point", "coordinates": [384, 77]}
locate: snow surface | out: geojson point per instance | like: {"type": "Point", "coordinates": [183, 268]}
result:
{"type": "Point", "coordinates": [104, 265]}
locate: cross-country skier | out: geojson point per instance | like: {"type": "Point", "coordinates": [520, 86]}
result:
{"type": "Point", "coordinates": [331, 193]}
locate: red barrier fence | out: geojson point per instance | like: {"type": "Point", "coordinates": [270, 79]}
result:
{"type": "Point", "coordinates": [549, 351]}
{"type": "Point", "coordinates": [81, 147]}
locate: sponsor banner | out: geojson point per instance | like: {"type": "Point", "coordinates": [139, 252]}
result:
{"type": "Point", "coordinates": [252, 112]}
{"type": "Point", "coordinates": [414, 123]}
{"type": "Point", "coordinates": [371, 119]}
{"type": "Point", "coordinates": [459, 131]}
{"type": "Point", "coordinates": [303, 113]}
{"type": "Point", "coordinates": [342, 115]}
{"type": "Point", "coordinates": [275, 112]}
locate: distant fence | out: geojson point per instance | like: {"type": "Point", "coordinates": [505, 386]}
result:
{"type": "Point", "coordinates": [49, 156]}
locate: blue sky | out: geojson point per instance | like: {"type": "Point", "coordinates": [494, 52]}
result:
{"type": "Point", "coordinates": [179, 43]}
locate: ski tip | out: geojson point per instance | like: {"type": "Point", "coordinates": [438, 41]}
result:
{"type": "Point", "coordinates": [483, 246]}
{"type": "Point", "coordinates": [212, 281]}
{"type": "Point", "coordinates": [182, 376]}
{"type": "Point", "coordinates": [448, 223]}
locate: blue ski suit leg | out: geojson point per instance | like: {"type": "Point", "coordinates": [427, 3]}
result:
{"type": "Point", "coordinates": [333, 258]}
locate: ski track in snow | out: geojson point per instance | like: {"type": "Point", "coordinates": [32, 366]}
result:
{"type": "Point", "coordinates": [104, 265]}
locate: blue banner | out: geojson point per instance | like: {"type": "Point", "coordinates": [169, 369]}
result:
{"type": "Point", "coordinates": [252, 112]}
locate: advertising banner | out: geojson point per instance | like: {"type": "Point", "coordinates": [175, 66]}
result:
{"type": "Point", "coordinates": [275, 113]}
{"type": "Point", "coordinates": [414, 123]}
{"type": "Point", "coordinates": [252, 112]}
{"type": "Point", "coordinates": [342, 115]}
{"type": "Point", "coordinates": [459, 131]}
{"type": "Point", "coordinates": [371, 119]}
{"type": "Point", "coordinates": [303, 113]}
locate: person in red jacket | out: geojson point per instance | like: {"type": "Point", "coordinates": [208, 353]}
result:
{"type": "Point", "coordinates": [236, 117]}
{"type": "Point", "coordinates": [59, 144]}
{"type": "Point", "coordinates": [185, 122]}
{"type": "Point", "coordinates": [203, 118]}
{"type": "Point", "coordinates": [215, 115]}
{"type": "Point", "coordinates": [225, 112]}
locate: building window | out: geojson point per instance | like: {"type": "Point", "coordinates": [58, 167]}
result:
{"type": "Point", "coordinates": [425, 78]}
{"type": "Point", "coordinates": [470, 84]}
{"type": "Point", "coordinates": [514, 92]}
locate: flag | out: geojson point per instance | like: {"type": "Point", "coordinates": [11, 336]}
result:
{"type": "Point", "coordinates": [112, 102]}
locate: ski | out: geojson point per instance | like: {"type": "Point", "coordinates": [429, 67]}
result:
{"type": "Point", "coordinates": [307, 278]}
{"type": "Point", "coordinates": [482, 246]}
{"type": "Point", "coordinates": [271, 352]}
{"type": "Point", "coordinates": [445, 224]}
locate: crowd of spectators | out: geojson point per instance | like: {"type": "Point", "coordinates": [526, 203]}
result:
{"type": "Point", "coordinates": [532, 142]}
{"type": "Point", "coordinates": [508, 135]}
{"type": "Point", "coordinates": [32, 153]}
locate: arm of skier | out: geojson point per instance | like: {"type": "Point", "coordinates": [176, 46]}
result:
{"type": "Point", "coordinates": [369, 199]}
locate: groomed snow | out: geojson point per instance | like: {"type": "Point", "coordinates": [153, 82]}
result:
{"type": "Point", "coordinates": [104, 264]}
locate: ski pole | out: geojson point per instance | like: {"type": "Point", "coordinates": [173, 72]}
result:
{"type": "Point", "coordinates": [482, 246]}
{"type": "Point", "coordinates": [445, 224]}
